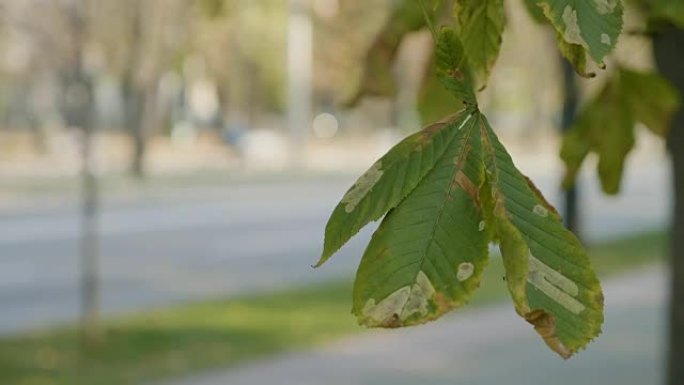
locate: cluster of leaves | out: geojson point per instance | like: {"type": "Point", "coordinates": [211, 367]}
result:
{"type": "Point", "coordinates": [449, 191]}
{"type": "Point", "coordinates": [585, 28]}
{"type": "Point", "coordinates": [445, 193]}
{"type": "Point", "coordinates": [659, 11]}
{"type": "Point", "coordinates": [606, 124]}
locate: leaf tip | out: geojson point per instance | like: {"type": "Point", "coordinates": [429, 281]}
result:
{"type": "Point", "coordinates": [323, 259]}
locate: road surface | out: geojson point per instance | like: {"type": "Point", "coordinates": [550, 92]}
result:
{"type": "Point", "coordinates": [488, 346]}
{"type": "Point", "coordinates": [197, 243]}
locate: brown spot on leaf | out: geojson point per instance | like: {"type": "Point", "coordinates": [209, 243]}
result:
{"type": "Point", "coordinates": [539, 195]}
{"type": "Point", "coordinates": [545, 324]}
{"type": "Point", "coordinates": [435, 127]}
{"type": "Point", "coordinates": [456, 74]}
{"type": "Point", "coordinates": [392, 322]}
{"type": "Point", "coordinates": [468, 186]}
{"type": "Point", "coordinates": [442, 303]}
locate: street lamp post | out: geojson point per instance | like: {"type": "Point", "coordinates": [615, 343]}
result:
{"type": "Point", "coordinates": [299, 78]}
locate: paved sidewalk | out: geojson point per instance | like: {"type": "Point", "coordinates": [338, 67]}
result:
{"type": "Point", "coordinates": [487, 346]}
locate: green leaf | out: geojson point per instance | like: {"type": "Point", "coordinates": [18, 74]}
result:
{"type": "Point", "coordinates": [606, 124]}
{"type": "Point", "coordinates": [651, 98]}
{"type": "Point", "coordinates": [576, 55]}
{"type": "Point", "coordinates": [453, 67]}
{"type": "Point", "coordinates": [481, 24]}
{"type": "Point", "coordinates": [592, 24]}
{"type": "Point", "coordinates": [672, 11]}
{"type": "Point", "coordinates": [548, 273]}
{"type": "Point", "coordinates": [535, 11]}
{"type": "Point", "coordinates": [427, 255]}
{"type": "Point", "coordinates": [388, 182]}
{"type": "Point", "coordinates": [659, 10]}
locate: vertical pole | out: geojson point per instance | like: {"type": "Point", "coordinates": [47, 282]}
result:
{"type": "Point", "coordinates": [236, 96]}
{"type": "Point", "coordinates": [570, 101]}
{"type": "Point", "coordinates": [79, 107]}
{"type": "Point", "coordinates": [89, 240]}
{"type": "Point", "coordinates": [299, 78]}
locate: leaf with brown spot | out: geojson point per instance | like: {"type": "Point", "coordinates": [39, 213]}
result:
{"type": "Point", "coordinates": [548, 272]}
{"type": "Point", "coordinates": [424, 241]}
{"type": "Point", "coordinates": [393, 177]}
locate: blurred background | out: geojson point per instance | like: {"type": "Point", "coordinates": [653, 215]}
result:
{"type": "Point", "coordinates": [167, 168]}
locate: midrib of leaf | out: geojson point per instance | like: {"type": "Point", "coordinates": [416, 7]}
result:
{"type": "Point", "coordinates": [437, 261]}
{"type": "Point", "coordinates": [459, 167]}
{"type": "Point", "coordinates": [467, 128]}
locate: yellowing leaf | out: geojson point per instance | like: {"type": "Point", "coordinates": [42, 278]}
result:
{"type": "Point", "coordinates": [576, 55]}
{"type": "Point", "coordinates": [548, 273]}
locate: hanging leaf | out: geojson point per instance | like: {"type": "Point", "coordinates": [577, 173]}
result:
{"type": "Point", "coordinates": [481, 24]}
{"type": "Point", "coordinates": [453, 67]}
{"type": "Point", "coordinates": [427, 255]}
{"type": "Point", "coordinates": [396, 174]}
{"type": "Point", "coordinates": [446, 193]}
{"type": "Point", "coordinates": [548, 273]}
{"type": "Point", "coordinates": [576, 55]}
{"type": "Point", "coordinates": [663, 10]}
{"type": "Point", "coordinates": [651, 98]}
{"type": "Point", "coordinates": [606, 124]}
{"type": "Point", "coordinates": [388, 182]}
{"type": "Point", "coordinates": [594, 25]}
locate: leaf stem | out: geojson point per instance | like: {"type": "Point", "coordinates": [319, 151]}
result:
{"type": "Point", "coordinates": [428, 20]}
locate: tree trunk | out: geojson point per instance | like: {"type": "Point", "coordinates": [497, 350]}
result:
{"type": "Point", "coordinates": [570, 101]}
{"type": "Point", "coordinates": [132, 112]}
{"type": "Point", "coordinates": [669, 54]}
{"type": "Point", "coordinates": [141, 121]}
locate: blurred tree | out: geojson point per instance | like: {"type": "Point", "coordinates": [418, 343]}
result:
{"type": "Point", "coordinates": [141, 40]}
{"type": "Point", "coordinates": [67, 56]}
{"type": "Point", "coordinates": [243, 44]}
{"type": "Point", "coordinates": [76, 42]}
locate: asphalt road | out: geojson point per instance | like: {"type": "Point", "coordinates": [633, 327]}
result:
{"type": "Point", "coordinates": [485, 346]}
{"type": "Point", "coordinates": [192, 243]}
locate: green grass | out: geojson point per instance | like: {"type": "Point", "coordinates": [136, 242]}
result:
{"type": "Point", "coordinates": [164, 343]}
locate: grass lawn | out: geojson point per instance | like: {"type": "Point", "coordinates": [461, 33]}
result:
{"type": "Point", "coordinates": [179, 340]}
